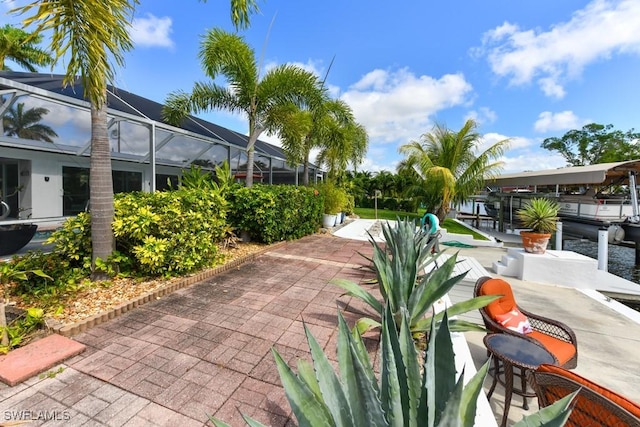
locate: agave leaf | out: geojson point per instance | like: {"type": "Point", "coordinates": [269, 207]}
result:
{"type": "Point", "coordinates": [445, 367]}
{"type": "Point", "coordinates": [357, 291]}
{"type": "Point", "coordinates": [346, 362]}
{"type": "Point", "coordinates": [365, 324]}
{"type": "Point", "coordinates": [393, 380]}
{"type": "Point", "coordinates": [468, 405]}
{"type": "Point", "coordinates": [456, 325]}
{"type": "Point", "coordinates": [308, 375]}
{"type": "Point", "coordinates": [427, 408]}
{"type": "Point", "coordinates": [450, 415]}
{"type": "Point", "coordinates": [309, 411]}
{"type": "Point", "coordinates": [216, 422]}
{"type": "Point", "coordinates": [412, 371]}
{"type": "Point", "coordinates": [363, 355]}
{"type": "Point", "coordinates": [555, 415]}
{"type": "Point", "coordinates": [431, 289]}
{"type": "Point", "coordinates": [471, 304]}
{"type": "Point", "coordinates": [328, 382]}
{"type": "Point", "coordinates": [251, 422]}
{"type": "Point", "coordinates": [375, 416]}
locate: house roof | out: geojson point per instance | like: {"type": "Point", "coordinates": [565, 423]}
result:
{"type": "Point", "coordinates": [132, 104]}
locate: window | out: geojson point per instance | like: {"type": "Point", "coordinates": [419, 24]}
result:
{"type": "Point", "coordinates": [75, 186]}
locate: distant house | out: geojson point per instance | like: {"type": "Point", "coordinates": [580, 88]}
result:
{"type": "Point", "coordinates": [146, 153]}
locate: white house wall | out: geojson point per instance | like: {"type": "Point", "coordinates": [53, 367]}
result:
{"type": "Point", "coordinates": [41, 179]}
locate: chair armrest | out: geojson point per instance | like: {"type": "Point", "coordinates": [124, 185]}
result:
{"type": "Point", "coordinates": [551, 327]}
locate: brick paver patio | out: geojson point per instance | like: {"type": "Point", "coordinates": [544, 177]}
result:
{"type": "Point", "coordinates": [205, 349]}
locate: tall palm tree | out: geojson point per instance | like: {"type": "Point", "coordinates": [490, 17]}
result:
{"type": "Point", "coordinates": [95, 33]}
{"type": "Point", "coordinates": [448, 164]}
{"type": "Point", "coordinates": [266, 101]}
{"type": "Point", "coordinates": [26, 124]}
{"type": "Point", "coordinates": [21, 47]}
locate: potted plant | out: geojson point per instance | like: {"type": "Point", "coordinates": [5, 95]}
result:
{"type": "Point", "coordinates": [334, 200]}
{"type": "Point", "coordinates": [541, 216]}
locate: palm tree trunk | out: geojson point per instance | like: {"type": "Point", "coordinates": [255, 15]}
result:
{"type": "Point", "coordinates": [100, 189]}
{"type": "Point", "coordinates": [249, 179]}
{"type": "Point", "coordinates": [305, 177]}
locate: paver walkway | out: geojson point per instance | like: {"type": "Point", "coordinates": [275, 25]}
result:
{"type": "Point", "coordinates": [205, 349]}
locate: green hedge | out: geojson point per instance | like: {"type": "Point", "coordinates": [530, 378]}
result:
{"type": "Point", "coordinates": [170, 232]}
{"type": "Point", "coordinates": [272, 213]}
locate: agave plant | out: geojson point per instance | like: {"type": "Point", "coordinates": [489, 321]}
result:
{"type": "Point", "coordinates": [407, 394]}
{"type": "Point", "coordinates": [409, 280]}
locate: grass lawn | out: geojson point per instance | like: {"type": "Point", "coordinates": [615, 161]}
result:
{"type": "Point", "coordinates": [449, 224]}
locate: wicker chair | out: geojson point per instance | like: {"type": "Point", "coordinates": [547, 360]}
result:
{"type": "Point", "coordinates": [594, 405]}
{"type": "Point", "coordinates": [555, 336]}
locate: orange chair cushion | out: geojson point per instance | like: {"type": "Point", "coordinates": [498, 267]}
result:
{"type": "Point", "coordinates": [562, 350]}
{"type": "Point", "coordinates": [502, 305]}
{"type": "Point", "coordinates": [620, 400]}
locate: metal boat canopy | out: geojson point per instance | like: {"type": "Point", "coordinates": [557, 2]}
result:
{"type": "Point", "coordinates": [602, 174]}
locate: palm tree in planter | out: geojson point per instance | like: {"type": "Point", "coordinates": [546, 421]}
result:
{"type": "Point", "coordinates": [266, 101]}
{"type": "Point", "coordinates": [541, 216]}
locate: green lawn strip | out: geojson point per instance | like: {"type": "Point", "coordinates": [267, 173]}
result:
{"type": "Point", "coordinates": [451, 225]}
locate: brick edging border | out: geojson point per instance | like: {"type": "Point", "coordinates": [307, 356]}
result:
{"type": "Point", "coordinates": [68, 330]}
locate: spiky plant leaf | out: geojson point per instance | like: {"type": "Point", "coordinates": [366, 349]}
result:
{"type": "Point", "coordinates": [555, 415]}
{"type": "Point", "coordinates": [393, 377]}
{"type": "Point", "coordinates": [251, 422]}
{"type": "Point", "coordinates": [328, 382]}
{"type": "Point", "coordinates": [346, 363]}
{"type": "Point", "coordinates": [450, 414]}
{"type": "Point", "coordinates": [412, 370]}
{"type": "Point", "coordinates": [431, 289]}
{"type": "Point", "coordinates": [357, 291]}
{"type": "Point", "coordinates": [307, 374]}
{"type": "Point", "coordinates": [468, 405]}
{"type": "Point", "coordinates": [365, 324]}
{"type": "Point", "coordinates": [309, 411]}
{"type": "Point", "coordinates": [456, 325]}
{"type": "Point", "coordinates": [363, 356]}
{"type": "Point", "coordinates": [216, 422]}
{"type": "Point", "coordinates": [445, 368]}
{"type": "Point", "coordinates": [375, 415]}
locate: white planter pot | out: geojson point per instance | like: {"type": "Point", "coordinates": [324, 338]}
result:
{"type": "Point", "coordinates": [328, 220]}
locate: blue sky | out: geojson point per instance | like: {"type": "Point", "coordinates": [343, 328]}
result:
{"type": "Point", "coordinates": [525, 70]}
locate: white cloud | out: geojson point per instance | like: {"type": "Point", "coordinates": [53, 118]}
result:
{"type": "Point", "coordinates": [564, 120]}
{"type": "Point", "coordinates": [553, 57]}
{"type": "Point", "coordinates": [152, 31]}
{"type": "Point", "coordinates": [397, 105]}
{"type": "Point", "coordinates": [482, 115]}
{"type": "Point", "coordinates": [532, 161]}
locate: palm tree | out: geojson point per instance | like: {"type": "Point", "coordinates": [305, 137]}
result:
{"type": "Point", "coordinates": [267, 102]}
{"type": "Point", "coordinates": [95, 33]}
{"type": "Point", "coordinates": [448, 165]}
{"type": "Point", "coordinates": [322, 125]}
{"type": "Point", "coordinates": [26, 124]}
{"type": "Point", "coordinates": [21, 47]}
{"type": "Point", "coordinates": [343, 141]}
